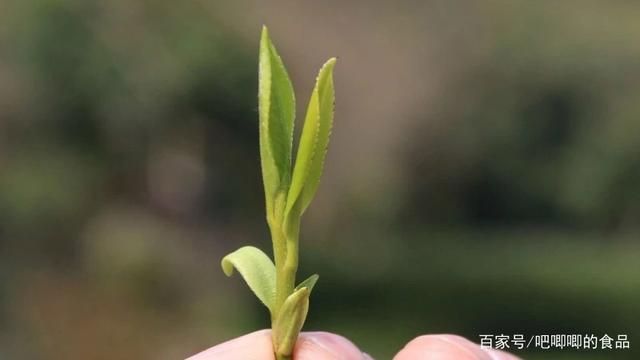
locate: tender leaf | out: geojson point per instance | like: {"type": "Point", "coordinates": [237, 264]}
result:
{"type": "Point", "coordinates": [309, 283]}
{"type": "Point", "coordinates": [290, 320]}
{"type": "Point", "coordinates": [313, 143]}
{"type": "Point", "coordinates": [277, 112]}
{"type": "Point", "coordinates": [257, 270]}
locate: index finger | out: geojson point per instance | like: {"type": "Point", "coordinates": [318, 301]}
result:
{"type": "Point", "coordinates": [310, 346]}
{"type": "Point", "coordinates": [253, 346]}
{"type": "Point", "coordinates": [448, 347]}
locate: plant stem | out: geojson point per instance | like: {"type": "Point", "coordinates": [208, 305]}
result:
{"type": "Point", "coordinates": [285, 277]}
{"type": "Point", "coordinates": [279, 240]}
{"type": "Point", "coordinates": [285, 251]}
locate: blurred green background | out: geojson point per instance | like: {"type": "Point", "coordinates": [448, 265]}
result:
{"type": "Point", "coordinates": [483, 175]}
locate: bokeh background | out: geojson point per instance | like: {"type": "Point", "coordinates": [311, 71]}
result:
{"type": "Point", "coordinates": [483, 175]}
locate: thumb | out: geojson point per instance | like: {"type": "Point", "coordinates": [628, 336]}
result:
{"type": "Point", "coordinates": [254, 346]}
{"type": "Point", "coordinates": [326, 346]}
{"type": "Point", "coordinates": [310, 346]}
{"type": "Point", "coordinates": [448, 347]}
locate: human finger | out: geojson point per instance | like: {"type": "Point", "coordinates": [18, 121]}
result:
{"type": "Point", "coordinates": [310, 346]}
{"type": "Point", "coordinates": [326, 346]}
{"type": "Point", "coordinates": [448, 347]}
{"type": "Point", "coordinates": [254, 346]}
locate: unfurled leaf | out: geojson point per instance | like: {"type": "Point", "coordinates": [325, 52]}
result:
{"type": "Point", "coordinates": [277, 113]}
{"type": "Point", "coordinates": [313, 143]}
{"type": "Point", "coordinates": [309, 283]}
{"type": "Point", "coordinates": [257, 270]}
{"type": "Point", "coordinates": [290, 320]}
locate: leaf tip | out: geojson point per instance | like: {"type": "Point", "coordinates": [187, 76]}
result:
{"type": "Point", "coordinates": [329, 64]}
{"type": "Point", "coordinates": [227, 266]}
{"type": "Point", "coordinates": [309, 283]}
{"type": "Point", "coordinates": [265, 40]}
{"type": "Point", "coordinates": [304, 292]}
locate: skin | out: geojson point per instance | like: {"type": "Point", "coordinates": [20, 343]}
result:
{"type": "Point", "coordinates": [327, 346]}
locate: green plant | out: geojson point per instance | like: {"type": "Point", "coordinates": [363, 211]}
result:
{"type": "Point", "coordinates": [288, 192]}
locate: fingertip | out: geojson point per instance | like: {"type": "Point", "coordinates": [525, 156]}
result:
{"type": "Point", "coordinates": [442, 347]}
{"type": "Point", "coordinates": [500, 355]}
{"type": "Point", "coordinates": [310, 346]}
{"type": "Point", "coordinates": [326, 346]}
{"type": "Point", "coordinates": [256, 345]}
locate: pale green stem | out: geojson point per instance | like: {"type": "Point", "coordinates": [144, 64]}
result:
{"type": "Point", "coordinates": [291, 263]}
{"type": "Point", "coordinates": [284, 278]}
{"type": "Point", "coordinates": [285, 249]}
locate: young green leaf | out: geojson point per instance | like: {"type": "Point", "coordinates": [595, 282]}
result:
{"type": "Point", "coordinates": [313, 143]}
{"type": "Point", "coordinates": [309, 283]}
{"type": "Point", "coordinates": [290, 320]}
{"type": "Point", "coordinates": [288, 192]}
{"type": "Point", "coordinates": [277, 112]}
{"type": "Point", "coordinates": [257, 270]}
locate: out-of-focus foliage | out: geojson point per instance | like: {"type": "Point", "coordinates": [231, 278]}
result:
{"type": "Point", "coordinates": [486, 156]}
